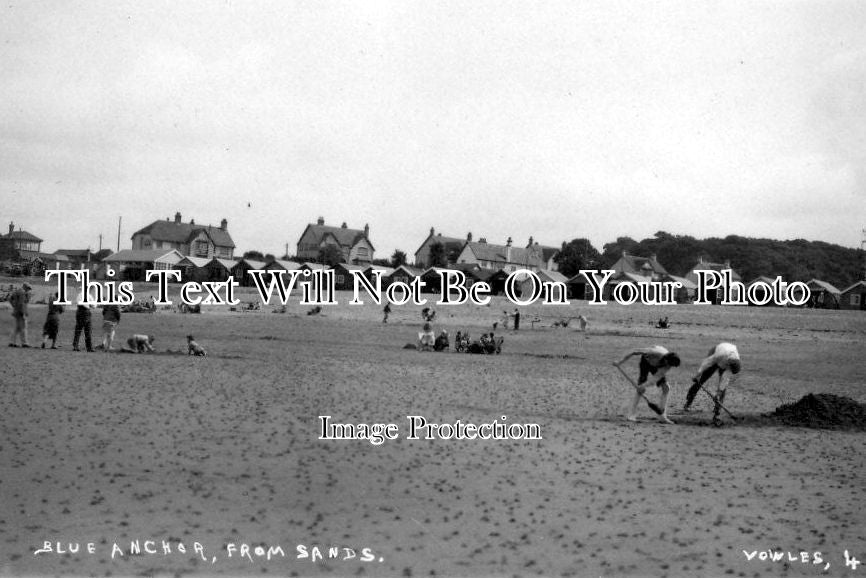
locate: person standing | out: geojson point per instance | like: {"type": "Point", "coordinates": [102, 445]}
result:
{"type": "Point", "coordinates": [655, 360]}
{"type": "Point", "coordinates": [516, 319]}
{"type": "Point", "coordinates": [721, 358]}
{"type": "Point", "coordinates": [110, 319]}
{"type": "Point", "coordinates": [83, 315]}
{"type": "Point", "coordinates": [52, 322]}
{"type": "Point", "coordinates": [386, 311]}
{"type": "Point", "coordinates": [19, 300]}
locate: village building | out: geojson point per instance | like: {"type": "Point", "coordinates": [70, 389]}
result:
{"type": "Point", "coordinates": [344, 280]}
{"type": "Point", "coordinates": [402, 274]}
{"type": "Point", "coordinates": [824, 295]}
{"type": "Point", "coordinates": [452, 247]}
{"type": "Point", "coordinates": [78, 258]}
{"type": "Point", "coordinates": [505, 257]}
{"type": "Point", "coordinates": [354, 244]}
{"type": "Point", "coordinates": [647, 267]}
{"type": "Point", "coordinates": [715, 296]}
{"type": "Point", "coordinates": [188, 239]}
{"type": "Point", "coordinates": [854, 297]}
{"type": "Point", "coordinates": [548, 254]}
{"type": "Point", "coordinates": [132, 265]}
{"type": "Point", "coordinates": [241, 268]}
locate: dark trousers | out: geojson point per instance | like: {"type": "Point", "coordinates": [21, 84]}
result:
{"type": "Point", "coordinates": [82, 323]}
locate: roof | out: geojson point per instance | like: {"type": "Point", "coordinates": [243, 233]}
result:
{"type": "Point", "coordinates": [854, 286]}
{"type": "Point", "coordinates": [760, 279]}
{"type": "Point", "coordinates": [350, 267]}
{"type": "Point", "coordinates": [496, 254]}
{"type": "Point", "coordinates": [250, 263]}
{"type": "Point", "coordinates": [547, 252]}
{"type": "Point", "coordinates": [707, 266]}
{"type": "Point", "coordinates": [142, 256]}
{"type": "Point", "coordinates": [635, 264]}
{"type": "Point", "coordinates": [345, 237]}
{"type": "Point", "coordinates": [175, 232]}
{"type": "Point", "coordinates": [684, 283]}
{"type": "Point", "coordinates": [411, 271]}
{"type": "Point", "coordinates": [80, 253]}
{"type": "Point", "coordinates": [823, 285]}
{"type": "Point", "coordinates": [48, 257]}
{"type": "Point", "coordinates": [310, 265]}
{"type": "Point", "coordinates": [22, 236]}
{"type": "Point", "coordinates": [227, 263]}
{"type": "Point", "coordinates": [452, 245]}
{"type": "Point", "coordinates": [197, 261]}
{"type": "Point", "coordinates": [385, 270]}
{"type": "Point", "coordinates": [283, 264]}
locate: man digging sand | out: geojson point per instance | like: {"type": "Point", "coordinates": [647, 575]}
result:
{"type": "Point", "coordinates": [721, 358]}
{"type": "Point", "coordinates": [657, 361]}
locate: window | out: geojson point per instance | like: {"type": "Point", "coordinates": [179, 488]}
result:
{"type": "Point", "coordinates": [855, 299]}
{"type": "Point", "coordinates": [200, 248]}
{"type": "Point", "coordinates": [340, 279]}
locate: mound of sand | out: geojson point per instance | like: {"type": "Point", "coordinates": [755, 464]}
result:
{"type": "Point", "coordinates": [825, 411]}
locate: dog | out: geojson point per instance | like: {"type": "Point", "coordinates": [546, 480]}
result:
{"type": "Point", "coordinates": [194, 348]}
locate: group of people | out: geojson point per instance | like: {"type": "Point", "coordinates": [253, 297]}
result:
{"type": "Point", "coordinates": [111, 314]}
{"type": "Point", "coordinates": [723, 359]}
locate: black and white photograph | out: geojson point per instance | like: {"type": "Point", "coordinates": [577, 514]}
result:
{"type": "Point", "coordinates": [463, 289]}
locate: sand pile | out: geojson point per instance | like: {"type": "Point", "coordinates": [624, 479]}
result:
{"type": "Point", "coordinates": [825, 411]}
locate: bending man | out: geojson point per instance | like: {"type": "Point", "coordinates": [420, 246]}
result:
{"type": "Point", "coordinates": [721, 358]}
{"type": "Point", "coordinates": [657, 361]}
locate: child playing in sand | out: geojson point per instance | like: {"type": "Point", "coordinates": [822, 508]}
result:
{"type": "Point", "coordinates": [52, 323]}
{"type": "Point", "coordinates": [721, 358]}
{"type": "Point", "coordinates": [654, 360]}
{"type": "Point", "coordinates": [194, 348]}
{"type": "Point", "coordinates": [426, 338]}
{"type": "Point", "coordinates": [140, 343]}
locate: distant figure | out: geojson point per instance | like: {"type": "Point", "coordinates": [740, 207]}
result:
{"type": "Point", "coordinates": [19, 300]}
{"type": "Point", "coordinates": [194, 348]}
{"type": "Point", "coordinates": [110, 319]}
{"type": "Point", "coordinates": [386, 311]}
{"type": "Point", "coordinates": [461, 342]}
{"type": "Point", "coordinates": [581, 322]}
{"type": "Point", "coordinates": [516, 319]}
{"type": "Point", "coordinates": [663, 323]}
{"type": "Point", "coordinates": [441, 343]}
{"type": "Point", "coordinates": [314, 311]}
{"type": "Point", "coordinates": [721, 358]}
{"type": "Point", "coordinates": [83, 315]}
{"type": "Point", "coordinates": [657, 361]}
{"type": "Point", "coordinates": [140, 343]}
{"type": "Point", "coordinates": [52, 322]}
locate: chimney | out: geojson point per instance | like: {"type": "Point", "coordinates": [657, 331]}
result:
{"type": "Point", "coordinates": [224, 225]}
{"type": "Point", "coordinates": [469, 236]}
{"type": "Point", "coordinates": [431, 231]}
{"type": "Point", "coordinates": [508, 251]}
{"type": "Point", "coordinates": [192, 221]}
{"type": "Point", "coordinates": [367, 230]}
{"type": "Point", "coordinates": [483, 240]}
{"type": "Point", "coordinates": [11, 227]}
{"type": "Point", "coordinates": [530, 241]}
{"type": "Point", "coordinates": [177, 217]}
{"type": "Point", "coordinates": [321, 221]}
{"type": "Point", "coordinates": [343, 226]}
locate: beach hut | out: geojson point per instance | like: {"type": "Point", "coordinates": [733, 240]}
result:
{"type": "Point", "coordinates": [132, 264]}
{"type": "Point", "coordinates": [824, 295]}
{"type": "Point", "coordinates": [344, 280]}
{"type": "Point", "coordinates": [854, 297]}
{"type": "Point", "coordinates": [242, 267]}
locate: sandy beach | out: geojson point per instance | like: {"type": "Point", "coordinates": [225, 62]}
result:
{"type": "Point", "coordinates": [214, 466]}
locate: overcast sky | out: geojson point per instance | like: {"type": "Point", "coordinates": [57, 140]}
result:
{"type": "Point", "coordinates": [554, 120]}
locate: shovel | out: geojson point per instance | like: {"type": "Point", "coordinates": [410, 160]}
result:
{"type": "Point", "coordinates": [651, 405]}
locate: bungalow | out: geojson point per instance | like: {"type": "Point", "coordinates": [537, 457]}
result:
{"type": "Point", "coordinates": [452, 247]}
{"type": "Point", "coordinates": [647, 267]}
{"type": "Point", "coordinates": [716, 295]}
{"type": "Point", "coordinates": [132, 265]}
{"type": "Point", "coordinates": [824, 295]}
{"type": "Point", "coordinates": [854, 297]}
{"type": "Point", "coordinates": [403, 274]}
{"type": "Point", "coordinates": [188, 239]}
{"type": "Point", "coordinates": [505, 257]}
{"type": "Point", "coordinates": [354, 245]}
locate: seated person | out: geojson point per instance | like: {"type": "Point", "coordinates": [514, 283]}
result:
{"type": "Point", "coordinates": [426, 338]}
{"type": "Point", "coordinates": [193, 348]}
{"type": "Point", "coordinates": [441, 343]}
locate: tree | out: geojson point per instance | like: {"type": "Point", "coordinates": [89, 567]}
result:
{"type": "Point", "coordinates": [100, 255]}
{"type": "Point", "coordinates": [254, 255]}
{"type": "Point", "coordinates": [330, 255]}
{"type": "Point", "coordinates": [438, 257]}
{"type": "Point", "coordinates": [398, 258]}
{"type": "Point", "coordinates": [575, 255]}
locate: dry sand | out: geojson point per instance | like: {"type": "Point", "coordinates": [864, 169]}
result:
{"type": "Point", "coordinates": [223, 451]}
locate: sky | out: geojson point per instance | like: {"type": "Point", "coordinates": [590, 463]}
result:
{"type": "Point", "coordinates": [556, 120]}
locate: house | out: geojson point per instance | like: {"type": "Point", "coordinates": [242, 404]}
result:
{"type": "Point", "coordinates": [854, 297]}
{"type": "Point", "coordinates": [647, 267]}
{"type": "Point", "coordinates": [824, 295]}
{"type": "Point", "coordinates": [548, 254]}
{"type": "Point", "coordinates": [716, 295]}
{"type": "Point", "coordinates": [18, 249]}
{"type": "Point", "coordinates": [527, 285]}
{"type": "Point", "coordinates": [506, 257]}
{"type": "Point", "coordinates": [188, 239]}
{"type": "Point", "coordinates": [132, 265]}
{"type": "Point", "coordinates": [354, 245]}
{"type": "Point", "coordinates": [451, 245]}
{"type": "Point", "coordinates": [78, 258]}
